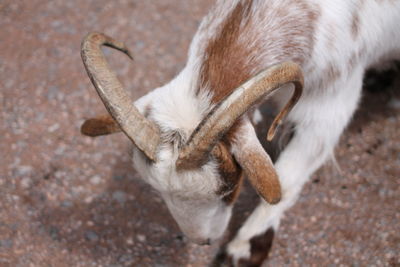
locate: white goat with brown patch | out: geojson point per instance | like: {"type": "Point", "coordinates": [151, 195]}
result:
{"type": "Point", "coordinates": [193, 136]}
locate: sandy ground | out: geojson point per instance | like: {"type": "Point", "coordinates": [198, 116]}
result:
{"type": "Point", "coordinates": [69, 200]}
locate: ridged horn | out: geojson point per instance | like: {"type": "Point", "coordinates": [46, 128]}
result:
{"type": "Point", "coordinates": [142, 132]}
{"type": "Point", "coordinates": [222, 117]}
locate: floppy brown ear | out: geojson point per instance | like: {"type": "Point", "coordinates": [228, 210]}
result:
{"type": "Point", "coordinates": [256, 164]}
{"type": "Point", "coordinates": [101, 125]}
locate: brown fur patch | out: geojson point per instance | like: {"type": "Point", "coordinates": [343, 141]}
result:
{"type": "Point", "coordinates": [236, 52]}
{"type": "Point", "coordinates": [230, 172]}
{"type": "Point", "coordinates": [331, 74]}
{"type": "Point", "coordinates": [101, 125]}
{"type": "Point", "coordinates": [226, 63]}
{"type": "Point", "coordinates": [260, 248]}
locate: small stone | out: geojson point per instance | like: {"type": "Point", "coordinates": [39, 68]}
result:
{"type": "Point", "coordinates": [119, 196]}
{"type": "Point", "coordinates": [60, 150]}
{"type": "Point", "coordinates": [88, 199]}
{"type": "Point", "coordinates": [394, 103]}
{"type": "Point", "coordinates": [118, 177]}
{"type": "Point", "coordinates": [53, 127]}
{"type": "Point", "coordinates": [67, 204]}
{"type": "Point", "coordinates": [91, 236]}
{"type": "Point", "coordinates": [95, 180]}
{"type": "Point", "coordinates": [52, 92]}
{"type": "Point", "coordinates": [126, 258]}
{"type": "Point", "coordinates": [25, 182]}
{"type": "Point", "coordinates": [141, 238]}
{"type": "Point", "coordinates": [139, 44]}
{"type": "Point", "coordinates": [129, 241]}
{"type": "Point", "coordinates": [54, 233]}
{"type": "Point", "coordinates": [6, 243]}
{"type": "Point", "coordinates": [23, 170]}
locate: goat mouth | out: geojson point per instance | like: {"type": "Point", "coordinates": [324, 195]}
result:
{"type": "Point", "coordinates": [203, 242]}
{"type": "Point", "coordinates": [206, 243]}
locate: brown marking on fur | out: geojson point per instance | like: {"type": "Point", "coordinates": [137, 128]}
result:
{"type": "Point", "coordinates": [333, 73]}
{"type": "Point", "coordinates": [260, 248]}
{"type": "Point", "coordinates": [352, 61]}
{"type": "Point", "coordinates": [355, 24]}
{"type": "Point", "coordinates": [236, 53]}
{"type": "Point", "coordinates": [331, 32]}
{"type": "Point", "coordinates": [226, 63]}
{"type": "Point", "coordinates": [230, 172]}
{"type": "Point", "coordinates": [147, 111]}
{"type": "Point", "coordinates": [355, 57]}
{"type": "Point", "coordinates": [355, 20]}
{"type": "Point", "coordinates": [101, 125]}
{"type": "Point", "coordinates": [362, 52]}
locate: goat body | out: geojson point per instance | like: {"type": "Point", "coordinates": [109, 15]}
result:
{"type": "Point", "coordinates": [334, 42]}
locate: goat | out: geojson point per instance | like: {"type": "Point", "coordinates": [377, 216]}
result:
{"type": "Point", "coordinates": [193, 138]}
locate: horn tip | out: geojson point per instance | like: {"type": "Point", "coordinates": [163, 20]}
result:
{"type": "Point", "coordinates": [270, 135]}
{"type": "Point", "coordinates": [275, 199]}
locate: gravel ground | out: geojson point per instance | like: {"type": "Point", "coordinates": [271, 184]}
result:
{"type": "Point", "coordinates": [69, 200]}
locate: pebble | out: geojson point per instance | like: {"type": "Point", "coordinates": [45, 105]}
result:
{"type": "Point", "coordinates": [95, 180]}
{"type": "Point", "coordinates": [6, 243]}
{"type": "Point", "coordinates": [67, 204]}
{"type": "Point", "coordinates": [52, 92]}
{"type": "Point", "coordinates": [24, 170]}
{"type": "Point", "coordinates": [54, 233]}
{"type": "Point", "coordinates": [119, 196]}
{"type": "Point", "coordinates": [129, 241]}
{"type": "Point", "coordinates": [126, 258]}
{"type": "Point", "coordinates": [53, 127]}
{"type": "Point", "coordinates": [91, 236]}
{"type": "Point", "coordinates": [141, 238]}
{"type": "Point", "coordinates": [118, 177]}
{"type": "Point", "coordinates": [394, 103]}
{"type": "Point", "coordinates": [25, 182]}
{"type": "Point", "coordinates": [88, 199]}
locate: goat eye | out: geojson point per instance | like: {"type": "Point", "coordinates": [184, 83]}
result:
{"type": "Point", "coordinates": [174, 138]}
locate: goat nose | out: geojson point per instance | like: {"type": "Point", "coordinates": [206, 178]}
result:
{"type": "Point", "coordinates": [206, 242]}
{"type": "Point", "coordinates": [202, 242]}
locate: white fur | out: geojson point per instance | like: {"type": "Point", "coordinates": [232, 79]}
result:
{"type": "Point", "coordinates": [320, 116]}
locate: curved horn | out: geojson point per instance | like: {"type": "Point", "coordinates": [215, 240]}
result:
{"type": "Point", "coordinates": [225, 114]}
{"type": "Point", "coordinates": [143, 133]}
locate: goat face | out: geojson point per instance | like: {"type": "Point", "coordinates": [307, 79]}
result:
{"type": "Point", "coordinates": [199, 199]}
{"type": "Point", "coordinates": [190, 151]}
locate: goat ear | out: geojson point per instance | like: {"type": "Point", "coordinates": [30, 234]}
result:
{"type": "Point", "coordinates": [257, 164]}
{"type": "Point", "coordinates": [101, 125]}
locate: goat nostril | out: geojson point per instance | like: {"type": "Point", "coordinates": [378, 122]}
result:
{"type": "Point", "coordinates": [179, 237]}
{"type": "Point", "coordinates": [202, 241]}
{"type": "Point", "coordinates": [207, 242]}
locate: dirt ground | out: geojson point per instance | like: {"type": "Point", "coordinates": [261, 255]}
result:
{"type": "Point", "coordinates": [69, 200]}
